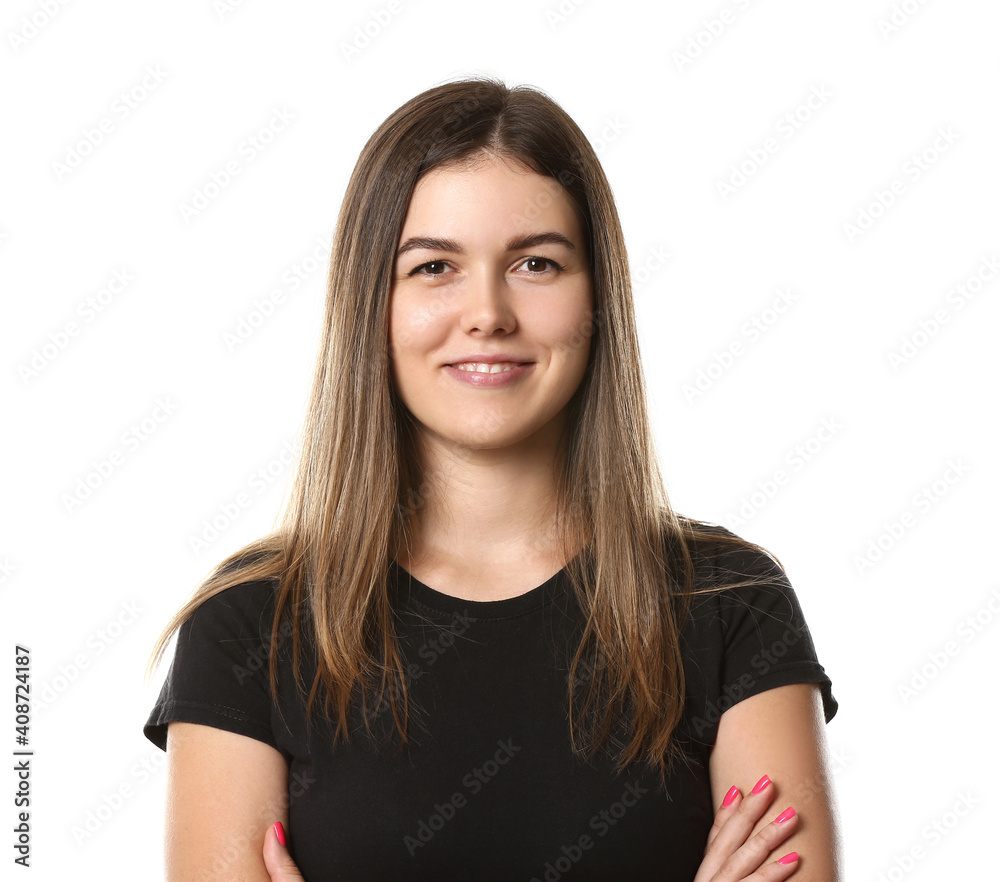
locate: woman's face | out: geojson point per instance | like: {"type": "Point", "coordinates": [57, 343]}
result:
{"type": "Point", "coordinates": [477, 279]}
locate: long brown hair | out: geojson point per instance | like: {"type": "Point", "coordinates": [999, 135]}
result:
{"type": "Point", "coordinates": [359, 486]}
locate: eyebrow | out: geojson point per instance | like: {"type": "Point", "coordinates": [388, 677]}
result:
{"type": "Point", "coordinates": [432, 243]}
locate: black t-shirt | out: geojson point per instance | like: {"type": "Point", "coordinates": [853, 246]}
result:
{"type": "Point", "coordinates": [489, 787]}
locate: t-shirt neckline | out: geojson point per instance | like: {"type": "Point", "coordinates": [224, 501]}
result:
{"type": "Point", "coordinates": [411, 588]}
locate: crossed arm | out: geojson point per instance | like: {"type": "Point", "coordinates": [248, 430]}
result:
{"type": "Point", "coordinates": [781, 733]}
{"type": "Point", "coordinates": [225, 790]}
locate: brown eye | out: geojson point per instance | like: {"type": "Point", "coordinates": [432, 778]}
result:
{"type": "Point", "coordinates": [539, 265]}
{"type": "Point", "coordinates": [435, 263]}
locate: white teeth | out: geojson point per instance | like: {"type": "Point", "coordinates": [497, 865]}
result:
{"type": "Point", "coordinates": [483, 368]}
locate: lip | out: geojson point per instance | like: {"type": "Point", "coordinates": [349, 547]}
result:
{"type": "Point", "coordinates": [504, 378]}
{"type": "Point", "coordinates": [483, 358]}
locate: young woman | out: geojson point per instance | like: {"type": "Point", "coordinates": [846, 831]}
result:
{"type": "Point", "coordinates": [482, 645]}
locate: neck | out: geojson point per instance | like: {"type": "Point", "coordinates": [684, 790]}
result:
{"type": "Point", "coordinates": [482, 507]}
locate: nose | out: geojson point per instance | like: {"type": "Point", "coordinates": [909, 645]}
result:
{"type": "Point", "coordinates": [485, 302]}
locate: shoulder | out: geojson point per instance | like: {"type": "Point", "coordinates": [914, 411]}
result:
{"type": "Point", "coordinates": [232, 629]}
{"type": "Point", "coordinates": [218, 675]}
{"type": "Point", "coordinates": [726, 553]}
{"type": "Point", "coordinates": [245, 608]}
{"type": "Point", "coordinates": [729, 569]}
{"type": "Point", "coordinates": [745, 583]}
{"type": "Point", "coordinates": [748, 632]}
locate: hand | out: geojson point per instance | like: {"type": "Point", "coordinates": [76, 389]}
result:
{"type": "Point", "coordinates": [277, 860]}
{"type": "Point", "coordinates": [730, 857]}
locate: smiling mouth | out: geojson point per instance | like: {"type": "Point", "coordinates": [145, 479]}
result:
{"type": "Point", "coordinates": [484, 368]}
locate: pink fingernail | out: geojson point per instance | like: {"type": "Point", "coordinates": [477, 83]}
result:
{"type": "Point", "coordinates": [761, 784]}
{"type": "Point", "coordinates": [785, 815]}
{"type": "Point", "coordinates": [730, 796]}
{"type": "Point", "coordinates": [789, 858]}
{"type": "Point", "coordinates": [279, 831]}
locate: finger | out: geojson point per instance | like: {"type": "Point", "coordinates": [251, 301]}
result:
{"type": "Point", "coordinates": [735, 827]}
{"type": "Point", "coordinates": [776, 871]}
{"type": "Point", "coordinates": [730, 803]}
{"type": "Point", "coordinates": [278, 862]}
{"type": "Point", "coordinates": [748, 861]}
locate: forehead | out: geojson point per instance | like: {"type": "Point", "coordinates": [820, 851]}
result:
{"type": "Point", "coordinates": [498, 193]}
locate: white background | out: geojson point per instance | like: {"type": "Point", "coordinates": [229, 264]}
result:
{"type": "Point", "coordinates": [907, 459]}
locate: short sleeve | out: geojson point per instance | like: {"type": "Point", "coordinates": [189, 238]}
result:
{"type": "Point", "coordinates": [766, 641]}
{"type": "Point", "coordinates": [219, 673]}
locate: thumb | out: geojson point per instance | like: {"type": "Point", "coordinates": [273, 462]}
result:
{"type": "Point", "coordinates": [277, 860]}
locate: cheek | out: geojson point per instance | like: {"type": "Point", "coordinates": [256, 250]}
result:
{"type": "Point", "coordinates": [415, 332]}
{"type": "Point", "coordinates": [569, 331]}
{"type": "Point", "coordinates": [415, 324]}
{"type": "Point", "coordinates": [404, 332]}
